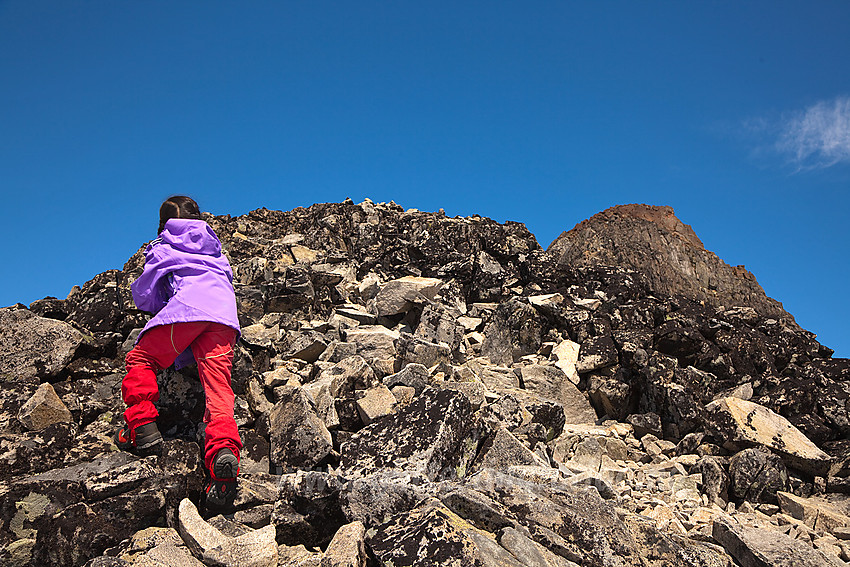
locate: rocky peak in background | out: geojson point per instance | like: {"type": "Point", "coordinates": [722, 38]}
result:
{"type": "Point", "coordinates": [652, 241]}
{"type": "Point", "coordinates": [414, 389]}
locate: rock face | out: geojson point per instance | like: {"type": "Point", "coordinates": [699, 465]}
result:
{"type": "Point", "coordinates": [652, 241]}
{"type": "Point", "coordinates": [413, 389]}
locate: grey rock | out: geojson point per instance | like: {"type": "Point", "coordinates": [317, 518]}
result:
{"type": "Point", "coordinates": [156, 547]}
{"type": "Point", "coordinates": [646, 424]}
{"type": "Point", "coordinates": [741, 424]}
{"type": "Point", "coordinates": [120, 479]}
{"type": "Point", "coordinates": [531, 553]}
{"type": "Point", "coordinates": [373, 499]}
{"type": "Point", "coordinates": [258, 335]}
{"type": "Point", "coordinates": [424, 436]}
{"type": "Point", "coordinates": [256, 398]}
{"type": "Point", "coordinates": [610, 395]}
{"type": "Point", "coordinates": [82, 530]}
{"type": "Point", "coordinates": [415, 349]}
{"type": "Point", "coordinates": [298, 556]}
{"type": "Point", "coordinates": [661, 548]}
{"type": "Point", "coordinates": [414, 375]}
{"type": "Point", "coordinates": [400, 295]}
{"type": "Point", "coordinates": [350, 374]}
{"type": "Point", "coordinates": [431, 534]}
{"type": "Point", "coordinates": [502, 450]}
{"type": "Point", "coordinates": [474, 391]}
{"type": "Point", "coordinates": [575, 520]}
{"type": "Point", "coordinates": [338, 350]}
{"type": "Point", "coordinates": [307, 347]}
{"type": "Point", "coordinates": [565, 355]}
{"type": "Point", "coordinates": [35, 452]}
{"type": "Point", "coordinates": [494, 377]}
{"type": "Point", "coordinates": [753, 547]}
{"type": "Point", "coordinates": [373, 341]}
{"type": "Point", "coordinates": [439, 324]}
{"type": "Point", "coordinates": [515, 330]}
{"type": "Point", "coordinates": [298, 436]}
{"type": "Point", "coordinates": [550, 382]}
{"type": "Point", "coordinates": [357, 314]}
{"type": "Point", "coordinates": [714, 479]}
{"type": "Point", "coordinates": [35, 347]}
{"type": "Point", "coordinates": [307, 510]}
{"type": "Point", "coordinates": [253, 549]}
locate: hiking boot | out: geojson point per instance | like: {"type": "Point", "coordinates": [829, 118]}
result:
{"type": "Point", "coordinates": [143, 440]}
{"type": "Point", "coordinates": [221, 490]}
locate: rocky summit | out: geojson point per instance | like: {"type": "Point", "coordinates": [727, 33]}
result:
{"type": "Point", "coordinates": [414, 389]}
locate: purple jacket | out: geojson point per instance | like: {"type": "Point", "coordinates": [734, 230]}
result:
{"type": "Point", "coordinates": [186, 279]}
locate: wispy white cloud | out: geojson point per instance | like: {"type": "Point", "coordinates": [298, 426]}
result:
{"type": "Point", "coordinates": [817, 137]}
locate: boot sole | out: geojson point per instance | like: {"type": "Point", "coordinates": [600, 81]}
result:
{"type": "Point", "coordinates": [226, 466]}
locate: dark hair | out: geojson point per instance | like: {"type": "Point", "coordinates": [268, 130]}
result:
{"type": "Point", "coordinates": [178, 207]}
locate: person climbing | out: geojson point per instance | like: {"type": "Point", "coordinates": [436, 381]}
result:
{"type": "Point", "coordinates": [187, 285]}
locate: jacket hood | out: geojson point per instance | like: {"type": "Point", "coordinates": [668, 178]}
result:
{"type": "Point", "coordinates": [191, 235]}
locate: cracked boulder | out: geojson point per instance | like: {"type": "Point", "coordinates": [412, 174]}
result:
{"type": "Point", "coordinates": [299, 437]}
{"type": "Point", "coordinates": [426, 436]}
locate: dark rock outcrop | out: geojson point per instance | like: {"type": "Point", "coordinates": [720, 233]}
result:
{"type": "Point", "coordinates": [652, 241]}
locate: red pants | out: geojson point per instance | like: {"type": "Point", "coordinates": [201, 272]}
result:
{"type": "Point", "coordinates": [212, 347]}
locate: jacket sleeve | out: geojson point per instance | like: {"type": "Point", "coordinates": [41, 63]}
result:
{"type": "Point", "coordinates": [153, 290]}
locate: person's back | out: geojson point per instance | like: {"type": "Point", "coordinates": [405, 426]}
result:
{"type": "Point", "coordinates": [187, 285]}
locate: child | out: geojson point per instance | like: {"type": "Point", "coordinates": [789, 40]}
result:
{"type": "Point", "coordinates": [187, 284]}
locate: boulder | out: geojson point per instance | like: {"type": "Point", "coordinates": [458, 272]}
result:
{"type": "Point", "coordinates": [565, 355]}
{"type": "Point", "coordinates": [754, 547]}
{"type": "Point", "coordinates": [307, 510]}
{"type": "Point", "coordinates": [757, 475]}
{"type": "Point", "coordinates": [400, 295]}
{"type": "Point", "coordinates": [373, 341]}
{"type": "Point", "coordinates": [550, 382]}
{"type": "Point", "coordinates": [373, 499]}
{"type": "Point", "coordinates": [817, 513]}
{"type": "Point", "coordinates": [426, 436]}
{"type": "Point", "coordinates": [43, 408]}
{"type": "Point", "coordinates": [350, 374]}
{"type": "Point", "coordinates": [413, 375]}
{"type": "Point", "coordinates": [306, 346]}
{"type": "Point", "coordinates": [376, 402]}
{"type": "Point", "coordinates": [35, 347]}
{"type": "Point", "coordinates": [298, 436]}
{"type": "Point", "coordinates": [740, 423]}
{"type": "Point", "coordinates": [595, 353]}
{"type": "Point", "coordinates": [502, 450]}
{"type": "Point", "coordinates": [347, 548]}
{"type": "Point", "coordinates": [575, 520]}
{"type": "Point", "coordinates": [256, 548]}
{"type": "Point", "coordinates": [431, 534]}
{"type": "Point", "coordinates": [514, 330]}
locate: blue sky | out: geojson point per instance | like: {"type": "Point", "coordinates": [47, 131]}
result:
{"type": "Point", "coordinates": [735, 114]}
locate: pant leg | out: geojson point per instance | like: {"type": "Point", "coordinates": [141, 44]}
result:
{"type": "Point", "coordinates": [213, 351]}
{"type": "Point", "coordinates": [157, 349]}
